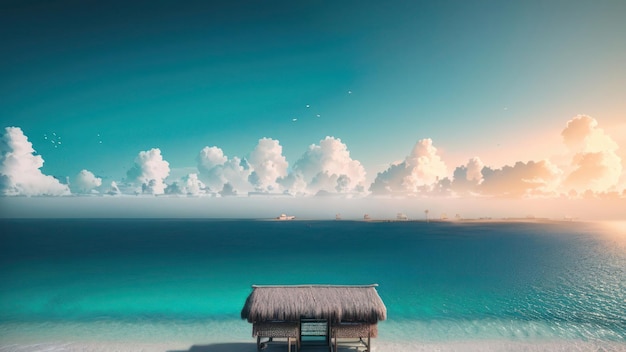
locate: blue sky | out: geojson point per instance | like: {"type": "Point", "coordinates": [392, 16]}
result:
{"type": "Point", "coordinates": [493, 79]}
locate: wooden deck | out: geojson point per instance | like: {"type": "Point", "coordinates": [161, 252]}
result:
{"type": "Point", "coordinates": [344, 345]}
{"type": "Point", "coordinates": [283, 348]}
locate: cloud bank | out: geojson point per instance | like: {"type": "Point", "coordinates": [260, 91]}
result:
{"type": "Point", "coordinates": [327, 168]}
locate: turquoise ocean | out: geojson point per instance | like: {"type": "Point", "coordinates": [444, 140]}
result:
{"type": "Point", "coordinates": [187, 280]}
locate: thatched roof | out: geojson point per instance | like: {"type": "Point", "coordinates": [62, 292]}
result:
{"type": "Point", "coordinates": [335, 303]}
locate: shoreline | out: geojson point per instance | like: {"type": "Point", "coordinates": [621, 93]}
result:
{"type": "Point", "coordinates": [235, 336]}
{"type": "Point", "coordinates": [377, 346]}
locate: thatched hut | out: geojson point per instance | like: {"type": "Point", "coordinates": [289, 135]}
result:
{"type": "Point", "coordinates": [314, 313]}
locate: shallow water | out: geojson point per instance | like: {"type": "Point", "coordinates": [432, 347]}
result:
{"type": "Point", "coordinates": [187, 280]}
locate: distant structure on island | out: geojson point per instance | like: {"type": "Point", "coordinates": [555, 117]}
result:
{"type": "Point", "coordinates": [320, 315]}
{"type": "Point", "coordinates": [367, 217]}
{"type": "Point", "coordinates": [283, 217]}
{"type": "Point", "coordinates": [402, 217]}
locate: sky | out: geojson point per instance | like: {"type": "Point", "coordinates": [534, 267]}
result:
{"type": "Point", "coordinates": [352, 99]}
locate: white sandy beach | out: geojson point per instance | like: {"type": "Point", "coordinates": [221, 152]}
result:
{"type": "Point", "coordinates": [378, 346]}
{"type": "Point", "coordinates": [235, 336]}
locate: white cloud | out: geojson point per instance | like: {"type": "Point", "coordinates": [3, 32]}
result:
{"type": "Point", "coordinates": [193, 185]}
{"type": "Point", "coordinates": [114, 190]}
{"type": "Point", "coordinates": [595, 171]}
{"type": "Point", "coordinates": [236, 172]}
{"type": "Point", "coordinates": [521, 179]}
{"type": "Point", "coordinates": [188, 185]}
{"type": "Point", "coordinates": [327, 167]}
{"type": "Point", "coordinates": [150, 171]}
{"type": "Point", "coordinates": [583, 134]}
{"type": "Point", "coordinates": [215, 170]}
{"type": "Point", "coordinates": [210, 164]}
{"type": "Point", "coordinates": [595, 164]}
{"type": "Point", "coordinates": [19, 168]}
{"type": "Point", "coordinates": [85, 182]}
{"type": "Point", "coordinates": [466, 178]}
{"type": "Point", "coordinates": [420, 171]}
{"type": "Point", "coordinates": [209, 158]}
{"type": "Point", "coordinates": [293, 184]}
{"type": "Point", "coordinates": [474, 170]}
{"type": "Point", "coordinates": [228, 190]}
{"type": "Point", "coordinates": [268, 164]}
{"type": "Point", "coordinates": [591, 168]}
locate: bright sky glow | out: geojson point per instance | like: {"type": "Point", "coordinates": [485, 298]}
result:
{"type": "Point", "coordinates": [352, 99]}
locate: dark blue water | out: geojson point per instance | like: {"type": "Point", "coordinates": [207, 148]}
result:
{"type": "Point", "coordinates": [440, 279]}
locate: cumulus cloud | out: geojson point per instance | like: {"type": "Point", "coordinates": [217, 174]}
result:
{"type": "Point", "coordinates": [293, 184]}
{"type": "Point", "coordinates": [598, 172]}
{"type": "Point", "coordinates": [420, 171]}
{"type": "Point", "coordinates": [215, 170]}
{"type": "Point", "coordinates": [593, 168]}
{"type": "Point", "coordinates": [188, 185]}
{"type": "Point", "coordinates": [150, 171]}
{"type": "Point", "coordinates": [209, 158]}
{"type": "Point", "coordinates": [583, 134]}
{"type": "Point", "coordinates": [236, 173]}
{"type": "Point", "coordinates": [474, 170]}
{"type": "Point", "coordinates": [210, 164]}
{"type": "Point", "coordinates": [114, 190]}
{"type": "Point", "coordinates": [228, 190]}
{"type": "Point", "coordinates": [595, 164]}
{"type": "Point", "coordinates": [19, 168]}
{"type": "Point", "coordinates": [466, 178]}
{"type": "Point", "coordinates": [268, 163]}
{"type": "Point", "coordinates": [193, 185]}
{"type": "Point", "coordinates": [521, 179]}
{"type": "Point", "coordinates": [326, 167]}
{"type": "Point", "coordinates": [86, 182]}
{"type": "Point", "coordinates": [174, 188]}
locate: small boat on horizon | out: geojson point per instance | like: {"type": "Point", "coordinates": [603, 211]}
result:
{"type": "Point", "coordinates": [284, 217]}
